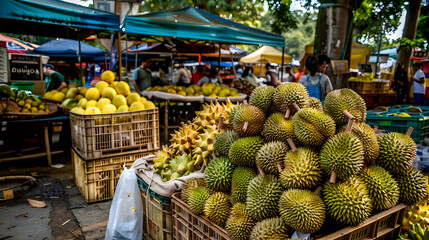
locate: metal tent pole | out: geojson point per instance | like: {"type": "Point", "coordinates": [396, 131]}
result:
{"type": "Point", "coordinates": [82, 79]}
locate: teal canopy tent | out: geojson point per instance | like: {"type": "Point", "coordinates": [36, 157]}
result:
{"type": "Point", "coordinates": [193, 24]}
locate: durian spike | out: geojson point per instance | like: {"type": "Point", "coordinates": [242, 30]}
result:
{"type": "Point", "coordinates": [245, 125]}
{"type": "Point", "coordinates": [294, 105]}
{"type": "Point", "coordinates": [221, 119]}
{"type": "Point", "coordinates": [291, 144]}
{"type": "Point", "coordinates": [350, 125]}
{"type": "Point", "coordinates": [279, 167]}
{"type": "Point", "coordinates": [348, 115]}
{"type": "Point", "coordinates": [333, 178]}
{"type": "Point", "coordinates": [318, 190]}
{"type": "Point", "coordinates": [260, 171]}
{"type": "Point", "coordinates": [287, 114]}
{"type": "Point", "coordinates": [410, 130]}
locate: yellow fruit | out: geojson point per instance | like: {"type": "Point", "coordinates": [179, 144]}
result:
{"type": "Point", "coordinates": [133, 97]}
{"type": "Point", "coordinates": [92, 94]}
{"type": "Point", "coordinates": [72, 85]}
{"type": "Point", "coordinates": [64, 90]}
{"type": "Point", "coordinates": [40, 111]}
{"type": "Point", "coordinates": [83, 90]}
{"type": "Point", "coordinates": [82, 103]}
{"type": "Point", "coordinates": [34, 110]}
{"type": "Point", "coordinates": [119, 100]}
{"type": "Point", "coordinates": [149, 105]}
{"type": "Point", "coordinates": [181, 92]}
{"type": "Point", "coordinates": [122, 88]}
{"type": "Point", "coordinates": [21, 103]}
{"type": "Point", "coordinates": [143, 99]}
{"type": "Point", "coordinates": [71, 93]}
{"type": "Point", "coordinates": [25, 110]}
{"type": "Point", "coordinates": [149, 88]}
{"type": "Point", "coordinates": [92, 110]}
{"type": "Point", "coordinates": [27, 106]}
{"type": "Point", "coordinates": [42, 107]}
{"type": "Point", "coordinates": [48, 95]}
{"type": "Point", "coordinates": [109, 93]}
{"type": "Point", "coordinates": [136, 106]}
{"type": "Point", "coordinates": [108, 76]}
{"type": "Point", "coordinates": [123, 108]}
{"type": "Point", "coordinates": [171, 91]}
{"type": "Point", "coordinates": [90, 104]}
{"type": "Point", "coordinates": [103, 102]}
{"type": "Point", "coordinates": [34, 104]}
{"type": "Point", "coordinates": [101, 85]}
{"type": "Point", "coordinates": [109, 108]}
{"type": "Point", "coordinates": [189, 90]}
{"type": "Point", "coordinates": [59, 97]}
{"type": "Point", "coordinates": [79, 97]}
{"type": "Point", "coordinates": [29, 101]}
{"type": "Point", "coordinates": [78, 110]}
{"type": "Point", "coordinates": [47, 110]}
{"type": "Point", "coordinates": [113, 84]}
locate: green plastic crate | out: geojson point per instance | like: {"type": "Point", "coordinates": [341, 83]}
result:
{"type": "Point", "coordinates": [144, 186]}
{"type": "Point", "coordinates": [29, 86]}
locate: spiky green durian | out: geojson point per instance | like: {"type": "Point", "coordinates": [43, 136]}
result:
{"type": "Point", "coordinates": [343, 154]}
{"type": "Point", "coordinates": [271, 154]}
{"type": "Point", "coordinates": [243, 151]}
{"type": "Point", "coordinates": [344, 99]}
{"type": "Point", "coordinates": [263, 195]}
{"type": "Point", "coordinates": [189, 186]}
{"type": "Point", "coordinates": [277, 128]}
{"type": "Point", "coordinates": [270, 229]}
{"type": "Point", "coordinates": [302, 210]}
{"type": "Point", "coordinates": [262, 97]}
{"type": "Point", "coordinates": [367, 136]}
{"type": "Point", "coordinates": [223, 142]}
{"type": "Point", "coordinates": [248, 120]}
{"type": "Point", "coordinates": [347, 202]}
{"type": "Point", "coordinates": [301, 170]}
{"type": "Point", "coordinates": [382, 187]}
{"type": "Point", "coordinates": [241, 178]}
{"type": "Point", "coordinates": [239, 224]}
{"type": "Point", "coordinates": [315, 103]}
{"type": "Point", "coordinates": [312, 127]}
{"type": "Point", "coordinates": [397, 152]}
{"type": "Point", "coordinates": [197, 199]}
{"type": "Point", "coordinates": [218, 174]}
{"type": "Point", "coordinates": [289, 93]}
{"type": "Point", "coordinates": [217, 208]}
{"type": "Point", "coordinates": [413, 186]}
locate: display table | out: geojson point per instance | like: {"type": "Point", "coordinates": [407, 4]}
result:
{"type": "Point", "coordinates": [39, 125]}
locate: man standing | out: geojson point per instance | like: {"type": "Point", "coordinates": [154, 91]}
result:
{"type": "Point", "coordinates": [418, 84]}
{"type": "Point", "coordinates": [290, 77]}
{"type": "Point", "coordinates": [272, 79]}
{"type": "Point", "coordinates": [54, 79]}
{"type": "Point", "coordinates": [142, 76]}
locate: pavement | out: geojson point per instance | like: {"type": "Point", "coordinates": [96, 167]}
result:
{"type": "Point", "coordinates": [66, 215]}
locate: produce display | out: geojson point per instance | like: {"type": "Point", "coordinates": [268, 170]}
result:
{"type": "Point", "coordinates": [20, 101]}
{"type": "Point", "coordinates": [207, 89]}
{"type": "Point", "coordinates": [285, 163]}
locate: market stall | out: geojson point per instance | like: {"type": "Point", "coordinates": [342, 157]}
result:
{"type": "Point", "coordinates": [263, 55]}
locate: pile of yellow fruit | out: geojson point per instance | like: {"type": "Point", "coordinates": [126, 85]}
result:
{"type": "Point", "coordinates": [207, 89]}
{"type": "Point", "coordinates": [28, 103]}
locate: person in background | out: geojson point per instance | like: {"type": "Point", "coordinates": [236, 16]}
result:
{"type": "Point", "coordinates": [142, 77]}
{"type": "Point", "coordinates": [183, 76]}
{"type": "Point", "coordinates": [317, 84]}
{"type": "Point", "coordinates": [240, 69]}
{"type": "Point", "coordinates": [54, 79]}
{"type": "Point", "coordinates": [299, 74]}
{"type": "Point", "coordinates": [198, 75]}
{"type": "Point", "coordinates": [212, 77]}
{"type": "Point", "coordinates": [290, 77]}
{"type": "Point", "coordinates": [323, 63]}
{"type": "Point", "coordinates": [418, 84]}
{"type": "Point", "coordinates": [400, 83]}
{"type": "Point", "coordinates": [271, 74]}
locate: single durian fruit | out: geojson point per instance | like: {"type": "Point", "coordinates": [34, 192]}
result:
{"type": "Point", "coordinates": [218, 208]}
{"type": "Point", "coordinates": [397, 152]}
{"type": "Point", "coordinates": [202, 153]}
{"type": "Point", "coordinates": [340, 100]}
{"type": "Point", "coordinates": [315, 104]}
{"type": "Point", "coordinates": [347, 202]}
{"type": "Point", "coordinates": [367, 136]}
{"type": "Point", "coordinates": [248, 120]}
{"type": "Point", "coordinates": [312, 127]}
{"type": "Point", "coordinates": [302, 210]}
{"type": "Point", "coordinates": [413, 186]}
{"type": "Point", "coordinates": [270, 229]}
{"type": "Point", "coordinates": [243, 151]}
{"type": "Point", "coordinates": [263, 196]}
{"type": "Point", "coordinates": [163, 158]}
{"type": "Point", "coordinates": [270, 155]}
{"type": "Point", "coordinates": [183, 140]}
{"type": "Point", "coordinates": [382, 187]}
{"type": "Point", "coordinates": [302, 170]}
{"type": "Point", "coordinates": [239, 224]}
{"type": "Point", "coordinates": [209, 115]}
{"type": "Point", "coordinates": [289, 93]}
{"type": "Point", "coordinates": [197, 199]}
{"type": "Point", "coordinates": [241, 178]}
{"type": "Point", "coordinates": [223, 142]}
{"type": "Point", "coordinates": [218, 174]}
{"type": "Point", "coordinates": [262, 97]}
{"type": "Point", "coordinates": [277, 128]}
{"type": "Point", "coordinates": [189, 186]}
{"type": "Point", "coordinates": [343, 154]}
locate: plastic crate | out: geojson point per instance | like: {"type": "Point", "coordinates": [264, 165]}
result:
{"type": "Point", "coordinates": [97, 179]}
{"type": "Point", "coordinates": [371, 100]}
{"type": "Point", "coordinates": [382, 226]}
{"type": "Point", "coordinates": [190, 226]}
{"type": "Point", "coordinates": [363, 87]}
{"type": "Point", "coordinates": [388, 99]}
{"type": "Point", "coordinates": [97, 136]}
{"type": "Point", "coordinates": [157, 215]}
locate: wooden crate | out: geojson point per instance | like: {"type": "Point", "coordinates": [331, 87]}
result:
{"type": "Point", "coordinates": [97, 179]}
{"type": "Point", "coordinates": [382, 226]}
{"type": "Point", "coordinates": [96, 136]}
{"type": "Point", "coordinates": [190, 226]}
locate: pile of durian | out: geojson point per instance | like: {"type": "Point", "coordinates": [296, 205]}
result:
{"type": "Point", "coordinates": [290, 164]}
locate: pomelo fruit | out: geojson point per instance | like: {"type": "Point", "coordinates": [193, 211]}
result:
{"type": "Point", "coordinates": [83, 90]}
{"type": "Point", "coordinates": [109, 108]}
{"type": "Point", "coordinates": [143, 99]}
{"type": "Point", "coordinates": [149, 105]}
{"type": "Point", "coordinates": [119, 100]}
{"type": "Point", "coordinates": [136, 106]}
{"type": "Point", "coordinates": [90, 104]}
{"type": "Point", "coordinates": [108, 76]}
{"type": "Point", "coordinates": [103, 102]}
{"type": "Point", "coordinates": [123, 108]}
{"type": "Point", "coordinates": [72, 85]}
{"type": "Point", "coordinates": [101, 85]}
{"type": "Point", "coordinates": [133, 97]}
{"type": "Point", "coordinates": [122, 88]}
{"type": "Point", "coordinates": [78, 110]}
{"type": "Point", "coordinates": [109, 93]}
{"type": "Point", "coordinates": [71, 93]}
{"type": "Point", "coordinates": [82, 103]}
{"type": "Point", "coordinates": [92, 110]}
{"type": "Point", "coordinates": [92, 94]}
{"type": "Point", "coordinates": [59, 97]}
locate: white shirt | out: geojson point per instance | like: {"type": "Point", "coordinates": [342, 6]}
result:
{"type": "Point", "coordinates": [419, 87]}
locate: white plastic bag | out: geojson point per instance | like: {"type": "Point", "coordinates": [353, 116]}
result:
{"type": "Point", "coordinates": [126, 211]}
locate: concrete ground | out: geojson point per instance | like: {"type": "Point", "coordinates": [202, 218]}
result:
{"type": "Point", "coordinates": [66, 215]}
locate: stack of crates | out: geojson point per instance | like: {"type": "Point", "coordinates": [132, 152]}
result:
{"type": "Point", "coordinates": [103, 143]}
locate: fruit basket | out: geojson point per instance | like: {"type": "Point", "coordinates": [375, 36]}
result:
{"type": "Point", "coordinates": [20, 115]}
{"type": "Point", "coordinates": [66, 110]}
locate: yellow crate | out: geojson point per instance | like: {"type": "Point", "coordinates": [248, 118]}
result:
{"type": "Point", "coordinates": [362, 87]}
{"type": "Point", "coordinates": [97, 179]}
{"type": "Point", "coordinates": [97, 136]}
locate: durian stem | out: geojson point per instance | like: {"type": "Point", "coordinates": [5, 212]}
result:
{"type": "Point", "coordinates": [279, 167]}
{"type": "Point", "coordinates": [291, 144]}
{"type": "Point", "coordinates": [410, 131]}
{"type": "Point", "coordinates": [333, 178]}
{"type": "Point", "coordinates": [182, 151]}
{"type": "Point", "coordinates": [245, 125]}
{"type": "Point", "coordinates": [318, 190]}
{"type": "Point", "coordinates": [196, 182]}
{"type": "Point", "coordinates": [287, 115]}
{"type": "Point", "coordinates": [221, 119]}
{"type": "Point", "coordinates": [348, 115]}
{"type": "Point", "coordinates": [203, 167]}
{"type": "Point", "coordinates": [261, 171]}
{"type": "Point", "coordinates": [376, 130]}
{"type": "Point", "coordinates": [294, 105]}
{"type": "Point", "coordinates": [349, 125]}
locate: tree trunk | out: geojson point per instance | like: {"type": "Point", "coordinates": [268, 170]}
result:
{"type": "Point", "coordinates": [332, 29]}
{"type": "Point", "coordinates": [410, 29]}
